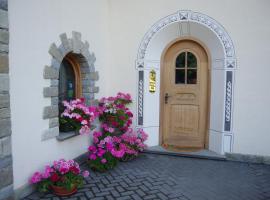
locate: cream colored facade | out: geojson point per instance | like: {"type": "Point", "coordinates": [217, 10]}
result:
{"type": "Point", "coordinates": [115, 30]}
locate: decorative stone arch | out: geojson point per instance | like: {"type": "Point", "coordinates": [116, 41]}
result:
{"type": "Point", "coordinates": [213, 36]}
{"type": "Point", "coordinates": [85, 59]}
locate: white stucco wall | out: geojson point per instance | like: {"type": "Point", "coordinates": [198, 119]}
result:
{"type": "Point", "coordinates": [34, 26]}
{"type": "Point", "coordinates": [114, 29]}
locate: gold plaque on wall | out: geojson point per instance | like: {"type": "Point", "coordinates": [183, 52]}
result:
{"type": "Point", "coordinates": [152, 81]}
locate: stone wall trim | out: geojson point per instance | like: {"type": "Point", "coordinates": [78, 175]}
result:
{"type": "Point", "coordinates": [86, 59]}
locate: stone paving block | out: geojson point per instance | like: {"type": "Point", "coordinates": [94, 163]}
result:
{"type": "Point", "coordinates": [166, 177]}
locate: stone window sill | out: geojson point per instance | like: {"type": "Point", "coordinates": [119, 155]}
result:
{"type": "Point", "coordinates": [66, 135]}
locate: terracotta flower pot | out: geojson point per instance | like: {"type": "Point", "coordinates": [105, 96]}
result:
{"type": "Point", "coordinates": [62, 191]}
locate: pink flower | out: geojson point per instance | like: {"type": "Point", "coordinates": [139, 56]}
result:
{"type": "Point", "coordinates": [95, 140]}
{"type": "Point", "coordinates": [85, 174]}
{"type": "Point", "coordinates": [97, 134]}
{"type": "Point", "coordinates": [101, 152]}
{"type": "Point", "coordinates": [129, 114]}
{"type": "Point", "coordinates": [111, 130]}
{"type": "Point", "coordinates": [92, 157]}
{"type": "Point", "coordinates": [103, 161]}
{"type": "Point", "coordinates": [37, 177]}
{"type": "Point", "coordinates": [47, 172]}
{"type": "Point", "coordinates": [84, 122]}
{"type": "Point", "coordinates": [109, 146]}
{"type": "Point", "coordinates": [116, 139]}
{"type": "Point", "coordinates": [92, 148]}
{"type": "Point", "coordinates": [118, 153]}
{"type": "Point", "coordinates": [84, 130]}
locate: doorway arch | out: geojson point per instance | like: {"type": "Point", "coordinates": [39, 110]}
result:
{"type": "Point", "coordinates": [179, 25]}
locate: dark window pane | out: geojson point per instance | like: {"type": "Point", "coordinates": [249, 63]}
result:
{"type": "Point", "coordinates": [180, 60]}
{"type": "Point", "coordinates": [191, 76]}
{"type": "Point", "coordinates": [179, 76]}
{"type": "Point", "coordinates": [191, 60]}
{"type": "Point", "coordinates": [66, 81]}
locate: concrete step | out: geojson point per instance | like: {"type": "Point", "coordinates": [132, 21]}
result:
{"type": "Point", "coordinates": [202, 154]}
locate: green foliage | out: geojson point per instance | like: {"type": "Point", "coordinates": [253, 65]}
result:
{"type": "Point", "coordinates": [102, 167]}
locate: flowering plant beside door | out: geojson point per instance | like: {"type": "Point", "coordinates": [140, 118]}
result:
{"type": "Point", "coordinates": [114, 113]}
{"type": "Point", "coordinates": [116, 140]}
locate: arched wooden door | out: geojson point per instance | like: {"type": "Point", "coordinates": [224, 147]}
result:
{"type": "Point", "coordinates": [184, 95]}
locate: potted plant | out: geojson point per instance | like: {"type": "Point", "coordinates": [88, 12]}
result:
{"type": "Point", "coordinates": [63, 178]}
{"type": "Point", "coordinates": [133, 143]}
{"type": "Point", "coordinates": [101, 156]}
{"type": "Point", "coordinates": [116, 141]}
{"type": "Point", "coordinates": [115, 114]}
{"type": "Point", "coordinates": [78, 116]}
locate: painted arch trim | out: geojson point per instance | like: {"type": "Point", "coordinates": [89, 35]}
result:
{"type": "Point", "coordinates": [228, 60]}
{"type": "Point", "coordinates": [189, 16]}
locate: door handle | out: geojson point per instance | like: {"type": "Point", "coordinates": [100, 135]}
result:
{"type": "Point", "coordinates": [166, 98]}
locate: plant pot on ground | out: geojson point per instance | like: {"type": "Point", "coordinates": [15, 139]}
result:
{"type": "Point", "coordinates": [63, 178]}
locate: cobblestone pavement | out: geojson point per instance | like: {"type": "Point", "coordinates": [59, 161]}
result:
{"type": "Point", "coordinates": [167, 177]}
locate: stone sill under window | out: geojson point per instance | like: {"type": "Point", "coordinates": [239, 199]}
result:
{"type": "Point", "coordinates": [67, 135]}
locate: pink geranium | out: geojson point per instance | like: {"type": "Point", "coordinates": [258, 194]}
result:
{"type": "Point", "coordinates": [78, 115]}
{"type": "Point", "coordinates": [62, 172]}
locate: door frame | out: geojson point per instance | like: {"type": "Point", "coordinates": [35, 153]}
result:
{"type": "Point", "coordinates": [161, 105]}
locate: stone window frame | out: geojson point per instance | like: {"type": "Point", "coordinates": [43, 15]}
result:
{"type": "Point", "coordinates": [86, 59]}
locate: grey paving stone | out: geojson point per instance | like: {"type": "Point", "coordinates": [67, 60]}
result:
{"type": "Point", "coordinates": [167, 177]}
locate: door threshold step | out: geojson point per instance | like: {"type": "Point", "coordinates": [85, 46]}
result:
{"type": "Point", "coordinates": [202, 154]}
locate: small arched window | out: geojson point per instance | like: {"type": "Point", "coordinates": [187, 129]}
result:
{"type": "Point", "coordinates": [69, 86]}
{"type": "Point", "coordinates": [69, 79]}
{"type": "Point", "coordinates": [186, 68]}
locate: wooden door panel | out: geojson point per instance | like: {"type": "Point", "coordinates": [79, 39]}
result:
{"type": "Point", "coordinates": [184, 112]}
{"type": "Point", "coordinates": [184, 120]}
